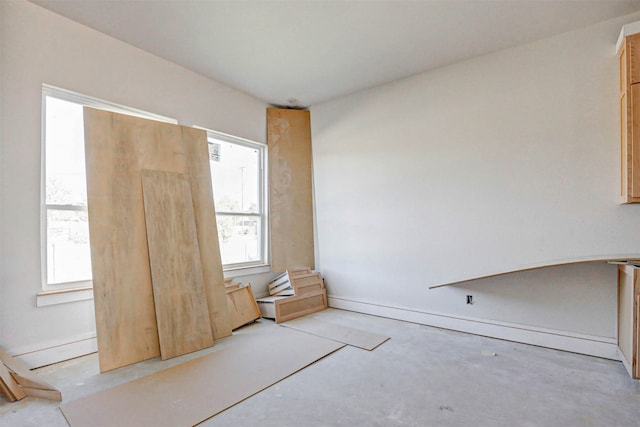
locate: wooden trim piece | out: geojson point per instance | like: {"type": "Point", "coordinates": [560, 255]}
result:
{"type": "Point", "coordinates": [290, 189]}
{"type": "Point", "coordinates": [22, 374]}
{"type": "Point", "coordinates": [10, 387]}
{"type": "Point", "coordinates": [43, 394]}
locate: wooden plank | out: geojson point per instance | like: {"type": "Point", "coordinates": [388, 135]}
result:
{"type": "Point", "coordinates": [628, 313]}
{"type": "Point", "coordinates": [315, 325]}
{"type": "Point", "coordinates": [4, 390]}
{"type": "Point", "coordinates": [22, 374]}
{"type": "Point", "coordinates": [191, 392]}
{"type": "Point", "coordinates": [10, 387]}
{"type": "Point", "coordinates": [290, 193]}
{"type": "Point", "coordinates": [243, 307]}
{"type": "Point", "coordinates": [307, 279]}
{"type": "Point", "coordinates": [633, 48]}
{"type": "Point", "coordinates": [196, 155]}
{"type": "Point", "coordinates": [43, 394]}
{"type": "Point", "coordinates": [117, 147]}
{"type": "Point", "coordinates": [636, 338]}
{"type": "Point", "coordinates": [13, 363]}
{"type": "Point", "coordinates": [301, 271]}
{"type": "Point", "coordinates": [176, 272]}
{"type": "Point", "coordinates": [633, 144]}
{"type": "Point", "coordinates": [123, 295]}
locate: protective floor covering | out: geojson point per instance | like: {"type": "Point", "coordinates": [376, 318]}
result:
{"type": "Point", "coordinates": [191, 392]}
{"type": "Point", "coordinates": [319, 326]}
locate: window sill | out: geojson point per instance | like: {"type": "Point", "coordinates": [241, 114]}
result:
{"type": "Point", "coordinates": [246, 271]}
{"type": "Point", "coordinates": [63, 296]}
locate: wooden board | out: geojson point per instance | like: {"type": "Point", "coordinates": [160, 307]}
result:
{"type": "Point", "coordinates": [117, 147]}
{"type": "Point", "coordinates": [178, 286]}
{"type": "Point", "coordinates": [315, 325]}
{"type": "Point", "coordinates": [10, 387]}
{"type": "Point", "coordinates": [283, 308]}
{"type": "Point", "coordinates": [633, 44]}
{"type": "Point", "coordinates": [629, 318]}
{"type": "Point", "coordinates": [290, 192]}
{"type": "Point", "coordinates": [636, 337]}
{"type": "Point", "coordinates": [191, 392]}
{"type": "Point", "coordinates": [302, 305]}
{"type": "Point", "coordinates": [196, 153]}
{"type": "Point", "coordinates": [242, 304]}
{"type": "Point", "coordinates": [30, 383]}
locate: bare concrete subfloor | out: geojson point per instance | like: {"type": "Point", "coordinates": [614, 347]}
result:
{"type": "Point", "coordinates": [423, 376]}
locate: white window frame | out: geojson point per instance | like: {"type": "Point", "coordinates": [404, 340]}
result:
{"type": "Point", "coordinates": [88, 101]}
{"type": "Point", "coordinates": [261, 265]}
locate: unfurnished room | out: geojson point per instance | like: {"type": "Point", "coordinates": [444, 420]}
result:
{"type": "Point", "coordinates": [319, 213]}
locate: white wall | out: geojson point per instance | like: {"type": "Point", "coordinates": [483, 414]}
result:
{"type": "Point", "coordinates": [498, 163]}
{"type": "Point", "coordinates": [41, 47]}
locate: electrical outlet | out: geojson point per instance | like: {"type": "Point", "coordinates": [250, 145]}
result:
{"type": "Point", "coordinates": [469, 299]}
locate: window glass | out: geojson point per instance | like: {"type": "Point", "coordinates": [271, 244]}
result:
{"type": "Point", "coordinates": [66, 251]}
{"type": "Point", "coordinates": [238, 189]}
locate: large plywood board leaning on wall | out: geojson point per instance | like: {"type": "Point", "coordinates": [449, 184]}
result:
{"type": "Point", "coordinates": [117, 148]}
{"type": "Point", "coordinates": [290, 191]}
{"type": "Point", "coordinates": [176, 271]}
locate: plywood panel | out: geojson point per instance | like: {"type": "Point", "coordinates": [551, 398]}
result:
{"type": "Point", "coordinates": [191, 392]}
{"type": "Point", "coordinates": [243, 307]}
{"type": "Point", "coordinates": [290, 191]}
{"type": "Point", "coordinates": [117, 147]}
{"type": "Point", "coordinates": [625, 312]}
{"type": "Point", "coordinates": [176, 272]}
{"type": "Point", "coordinates": [196, 153]}
{"type": "Point", "coordinates": [636, 336]}
{"type": "Point", "coordinates": [633, 143]}
{"type": "Point", "coordinates": [123, 296]}
{"type": "Point", "coordinates": [297, 306]}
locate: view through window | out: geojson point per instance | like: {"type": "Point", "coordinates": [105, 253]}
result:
{"type": "Point", "coordinates": [238, 192]}
{"type": "Point", "coordinates": [65, 220]}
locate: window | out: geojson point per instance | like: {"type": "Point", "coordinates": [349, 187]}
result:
{"type": "Point", "coordinates": [238, 177]}
{"type": "Point", "coordinates": [66, 255]}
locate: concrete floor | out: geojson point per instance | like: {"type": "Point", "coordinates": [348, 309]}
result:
{"type": "Point", "coordinates": [423, 376]}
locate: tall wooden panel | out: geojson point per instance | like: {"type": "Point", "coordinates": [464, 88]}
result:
{"type": "Point", "coordinates": [117, 147]}
{"type": "Point", "coordinates": [176, 271]}
{"type": "Point", "coordinates": [290, 188]}
{"type": "Point", "coordinates": [629, 318]}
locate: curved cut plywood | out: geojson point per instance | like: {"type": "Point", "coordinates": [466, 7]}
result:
{"type": "Point", "coordinates": [630, 259]}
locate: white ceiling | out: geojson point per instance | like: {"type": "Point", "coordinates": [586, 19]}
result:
{"type": "Point", "coordinates": [306, 52]}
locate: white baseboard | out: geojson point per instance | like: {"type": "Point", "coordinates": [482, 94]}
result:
{"type": "Point", "coordinates": [58, 353]}
{"type": "Point", "coordinates": [560, 340]}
